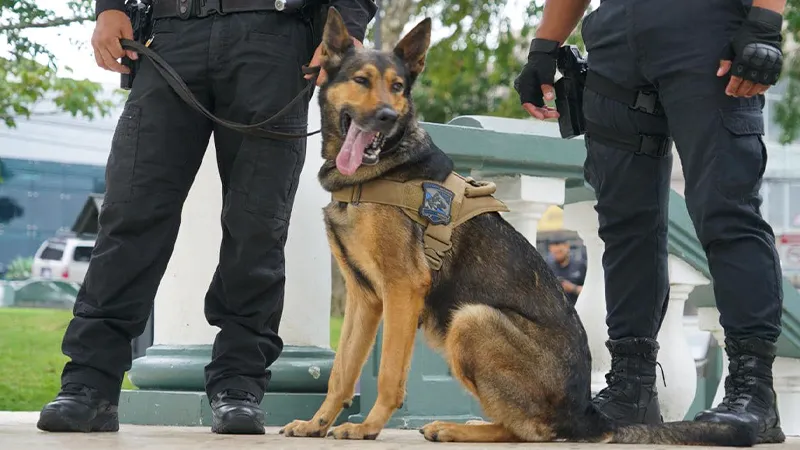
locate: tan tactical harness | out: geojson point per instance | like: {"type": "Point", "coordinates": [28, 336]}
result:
{"type": "Point", "coordinates": [439, 206]}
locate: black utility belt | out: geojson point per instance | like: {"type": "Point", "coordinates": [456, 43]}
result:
{"type": "Point", "coordinates": [186, 9]}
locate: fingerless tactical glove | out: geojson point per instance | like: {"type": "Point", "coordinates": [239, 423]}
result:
{"type": "Point", "coordinates": [540, 69]}
{"type": "Point", "coordinates": [756, 48]}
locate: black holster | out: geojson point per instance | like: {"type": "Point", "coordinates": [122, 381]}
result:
{"type": "Point", "coordinates": [569, 91]}
{"type": "Point", "coordinates": [141, 16]}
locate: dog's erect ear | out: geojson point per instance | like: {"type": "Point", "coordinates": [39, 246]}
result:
{"type": "Point", "coordinates": [414, 46]}
{"type": "Point", "coordinates": [335, 39]}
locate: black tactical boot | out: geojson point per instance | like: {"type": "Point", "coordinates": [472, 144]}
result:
{"type": "Point", "coordinates": [749, 398]}
{"type": "Point", "coordinates": [78, 408]}
{"type": "Point", "coordinates": [236, 412]}
{"type": "Point", "coordinates": [631, 396]}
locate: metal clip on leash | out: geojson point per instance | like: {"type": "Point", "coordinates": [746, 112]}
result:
{"type": "Point", "coordinates": [179, 86]}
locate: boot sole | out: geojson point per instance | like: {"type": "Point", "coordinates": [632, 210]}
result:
{"type": "Point", "coordinates": [240, 424]}
{"type": "Point", "coordinates": [55, 422]}
{"type": "Point", "coordinates": [772, 436]}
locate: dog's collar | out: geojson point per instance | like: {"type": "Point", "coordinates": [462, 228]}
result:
{"type": "Point", "coordinates": [439, 206]}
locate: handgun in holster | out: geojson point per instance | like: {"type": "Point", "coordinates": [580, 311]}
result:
{"type": "Point", "coordinates": [140, 14]}
{"type": "Point", "coordinates": [569, 91]}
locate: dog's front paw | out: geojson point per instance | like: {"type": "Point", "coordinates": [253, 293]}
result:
{"type": "Point", "coordinates": [355, 431]}
{"type": "Point", "coordinates": [438, 432]}
{"type": "Point", "coordinates": [302, 428]}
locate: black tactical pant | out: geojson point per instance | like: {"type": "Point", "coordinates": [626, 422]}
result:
{"type": "Point", "coordinates": [675, 45]}
{"type": "Point", "coordinates": [243, 67]}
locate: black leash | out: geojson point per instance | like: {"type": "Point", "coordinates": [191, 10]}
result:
{"type": "Point", "coordinates": [179, 86]}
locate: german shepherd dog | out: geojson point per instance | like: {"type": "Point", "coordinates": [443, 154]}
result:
{"type": "Point", "coordinates": [494, 309]}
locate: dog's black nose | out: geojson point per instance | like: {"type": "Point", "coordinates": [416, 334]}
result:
{"type": "Point", "coordinates": [386, 115]}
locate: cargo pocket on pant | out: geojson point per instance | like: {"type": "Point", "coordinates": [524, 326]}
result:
{"type": "Point", "coordinates": [272, 180]}
{"type": "Point", "coordinates": [741, 156]}
{"type": "Point", "coordinates": [122, 158]}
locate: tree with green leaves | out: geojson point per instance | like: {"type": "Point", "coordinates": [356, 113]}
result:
{"type": "Point", "coordinates": [29, 71]}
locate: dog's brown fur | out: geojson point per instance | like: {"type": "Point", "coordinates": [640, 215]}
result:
{"type": "Point", "coordinates": [494, 310]}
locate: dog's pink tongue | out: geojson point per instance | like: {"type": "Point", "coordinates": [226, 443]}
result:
{"type": "Point", "coordinates": [349, 158]}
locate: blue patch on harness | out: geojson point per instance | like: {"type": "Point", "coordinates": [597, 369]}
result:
{"type": "Point", "coordinates": [436, 204]}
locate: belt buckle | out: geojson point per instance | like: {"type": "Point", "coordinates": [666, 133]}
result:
{"type": "Point", "coordinates": [209, 7]}
{"type": "Point", "coordinates": [646, 101]}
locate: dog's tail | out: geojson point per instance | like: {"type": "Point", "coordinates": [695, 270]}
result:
{"type": "Point", "coordinates": [686, 433]}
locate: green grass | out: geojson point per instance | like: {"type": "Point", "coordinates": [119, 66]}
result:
{"type": "Point", "coordinates": [31, 358]}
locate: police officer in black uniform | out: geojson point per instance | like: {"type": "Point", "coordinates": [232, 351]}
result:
{"type": "Point", "coordinates": [242, 60]}
{"type": "Point", "coordinates": [693, 72]}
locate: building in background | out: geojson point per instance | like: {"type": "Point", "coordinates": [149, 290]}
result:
{"type": "Point", "coordinates": [49, 165]}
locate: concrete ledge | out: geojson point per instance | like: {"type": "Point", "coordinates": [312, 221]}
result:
{"type": "Point", "coordinates": [190, 409]}
{"type": "Point", "coordinates": [171, 367]}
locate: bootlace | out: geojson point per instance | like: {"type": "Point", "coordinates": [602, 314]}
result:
{"type": "Point", "coordinates": [237, 394]}
{"type": "Point", "coordinates": [737, 384]}
{"type": "Point", "coordinates": [80, 392]}
{"type": "Point", "coordinates": [75, 389]}
{"type": "Point", "coordinates": [615, 378]}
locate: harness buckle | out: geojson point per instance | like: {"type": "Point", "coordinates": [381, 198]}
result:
{"type": "Point", "coordinates": [209, 7]}
{"type": "Point", "coordinates": [655, 146]}
{"type": "Point", "coordinates": [646, 101]}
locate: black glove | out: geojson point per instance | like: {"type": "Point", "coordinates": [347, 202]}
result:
{"type": "Point", "coordinates": [756, 48]}
{"type": "Point", "coordinates": [540, 69]}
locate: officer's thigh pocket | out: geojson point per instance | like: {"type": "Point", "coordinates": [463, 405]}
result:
{"type": "Point", "coordinates": [122, 158]}
{"type": "Point", "coordinates": [266, 175]}
{"type": "Point", "coordinates": [740, 157]}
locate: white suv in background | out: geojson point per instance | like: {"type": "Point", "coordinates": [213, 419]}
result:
{"type": "Point", "coordinates": [63, 258]}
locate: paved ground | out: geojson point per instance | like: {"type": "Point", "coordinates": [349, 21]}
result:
{"type": "Point", "coordinates": [18, 432]}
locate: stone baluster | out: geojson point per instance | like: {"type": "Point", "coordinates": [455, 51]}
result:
{"type": "Point", "coordinates": [675, 355]}
{"type": "Point", "coordinates": [786, 379]}
{"type": "Point", "coordinates": [591, 305]}
{"type": "Point", "coordinates": [708, 319]}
